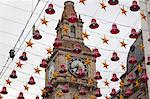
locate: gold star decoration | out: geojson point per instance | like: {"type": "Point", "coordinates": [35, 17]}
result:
{"type": "Point", "coordinates": [90, 81]}
{"type": "Point", "coordinates": [87, 61]}
{"type": "Point", "coordinates": [59, 93]}
{"type": "Point", "coordinates": [106, 83]}
{"type": "Point", "coordinates": [76, 96]}
{"type": "Point", "coordinates": [44, 21]}
{"type": "Point", "coordinates": [123, 44]}
{"type": "Point", "coordinates": [121, 84]}
{"type": "Point", "coordinates": [26, 87]}
{"type": "Point", "coordinates": [123, 67]}
{"type": "Point", "coordinates": [82, 1]}
{"type": "Point", "coordinates": [49, 51]}
{"type": "Point", "coordinates": [139, 68]}
{"type": "Point", "coordinates": [37, 70]}
{"type": "Point", "coordinates": [123, 11]}
{"type": "Point", "coordinates": [43, 91]}
{"type": "Point", "coordinates": [72, 78]}
{"type": "Point", "coordinates": [143, 15]}
{"type": "Point", "coordinates": [19, 64]}
{"type": "Point", "coordinates": [29, 43]}
{"type": "Point", "coordinates": [92, 97]}
{"type": "Point", "coordinates": [55, 74]}
{"type": "Point", "coordinates": [105, 65]}
{"type": "Point", "coordinates": [137, 84]}
{"type": "Point", "coordinates": [105, 40]}
{"type": "Point", "coordinates": [65, 29]}
{"type": "Point", "coordinates": [85, 35]}
{"type": "Point", "coordinates": [68, 57]}
{"type": "Point", "coordinates": [142, 47]}
{"type": "Point", "coordinates": [107, 97]}
{"type": "Point", "coordinates": [103, 6]}
{"type": "Point", "coordinates": [8, 82]}
{"type": "Point", "coordinates": [120, 96]}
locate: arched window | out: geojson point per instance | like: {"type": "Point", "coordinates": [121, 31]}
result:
{"type": "Point", "coordinates": [73, 31]}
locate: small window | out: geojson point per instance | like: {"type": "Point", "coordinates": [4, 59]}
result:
{"type": "Point", "coordinates": [72, 32]}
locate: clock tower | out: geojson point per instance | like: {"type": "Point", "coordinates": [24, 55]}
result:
{"type": "Point", "coordinates": [71, 68]}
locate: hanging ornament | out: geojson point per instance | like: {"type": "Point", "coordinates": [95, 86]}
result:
{"type": "Point", "coordinates": [29, 43]}
{"type": "Point", "coordinates": [98, 92]}
{"type": "Point", "coordinates": [12, 53]}
{"type": "Point", "coordinates": [98, 76]}
{"type": "Point", "coordinates": [123, 11]}
{"type": "Point", "coordinates": [80, 72]}
{"type": "Point", "coordinates": [103, 6]}
{"type": "Point", "coordinates": [77, 49]}
{"type": "Point", "coordinates": [26, 87]}
{"type": "Point", "coordinates": [37, 70]}
{"type": "Point", "coordinates": [133, 34]}
{"type": "Point", "coordinates": [50, 9]}
{"type": "Point", "coordinates": [8, 82]}
{"type": "Point", "coordinates": [92, 97]}
{"type": "Point", "coordinates": [44, 93]}
{"type": "Point", "coordinates": [143, 16]}
{"type": "Point", "coordinates": [113, 2]}
{"type": "Point", "coordinates": [148, 60]}
{"type": "Point", "coordinates": [105, 65]}
{"type": "Point", "coordinates": [44, 21]}
{"type": "Point", "coordinates": [59, 93]}
{"type": "Point", "coordinates": [4, 90]}
{"type": "Point", "coordinates": [105, 40]}
{"type": "Point", "coordinates": [106, 83]}
{"type": "Point", "coordinates": [50, 87]}
{"type": "Point", "coordinates": [37, 97]}
{"type": "Point", "coordinates": [130, 78]}
{"type": "Point", "coordinates": [128, 92]}
{"type": "Point", "coordinates": [43, 63]}
{"type": "Point", "coordinates": [37, 35]}
{"type": "Point", "coordinates": [49, 51]}
{"type": "Point", "coordinates": [107, 97]}
{"type": "Point", "coordinates": [123, 67]}
{"type": "Point", "coordinates": [96, 53]}
{"type": "Point", "coordinates": [82, 91]}
{"type": "Point", "coordinates": [114, 57]}
{"type": "Point", "coordinates": [144, 77]}
{"type": "Point", "coordinates": [63, 69]}
{"type": "Point", "coordinates": [13, 74]}
{"type": "Point", "coordinates": [68, 57]}
{"type": "Point", "coordinates": [23, 57]}
{"type": "Point", "coordinates": [113, 93]}
{"type": "Point", "coordinates": [19, 64]}
{"type": "Point", "coordinates": [140, 68]}
{"type": "Point", "coordinates": [94, 24]}
{"type": "Point", "coordinates": [114, 29]}
{"type": "Point", "coordinates": [20, 96]}
{"type": "Point", "coordinates": [121, 84]}
{"type": "Point", "coordinates": [72, 18]}
{"type": "Point", "coordinates": [85, 35]}
{"type": "Point", "coordinates": [65, 29]}
{"type": "Point", "coordinates": [65, 88]}
{"type": "Point", "coordinates": [82, 1]}
{"type": "Point", "coordinates": [87, 61]}
{"type": "Point", "coordinates": [134, 6]}
{"type": "Point", "coordinates": [132, 59]}
{"type": "Point", "coordinates": [57, 43]}
{"type": "Point", "coordinates": [123, 44]}
{"type": "Point", "coordinates": [76, 96]}
{"type": "Point", "coordinates": [31, 81]}
{"type": "Point", "coordinates": [114, 77]}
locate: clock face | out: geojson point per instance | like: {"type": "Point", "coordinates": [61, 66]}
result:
{"type": "Point", "coordinates": [75, 64]}
{"type": "Point", "coordinates": [51, 70]}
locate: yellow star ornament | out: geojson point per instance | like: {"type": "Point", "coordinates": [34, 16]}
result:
{"type": "Point", "coordinates": [105, 40]}
{"type": "Point", "coordinates": [29, 43]}
{"type": "Point", "coordinates": [26, 87]}
{"type": "Point", "coordinates": [92, 97]}
{"type": "Point", "coordinates": [49, 51]}
{"type": "Point", "coordinates": [87, 61]}
{"type": "Point", "coordinates": [82, 1]}
{"type": "Point", "coordinates": [85, 35]}
{"type": "Point", "coordinates": [68, 57]}
{"type": "Point", "coordinates": [44, 21]}
{"type": "Point", "coordinates": [121, 84]}
{"type": "Point", "coordinates": [105, 65]}
{"type": "Point", "coordinates": [65, 29]}
{"type": "Point", "coordinates": [140, 68]}
{"type": "Point", "coordinates": [55, 74]}
{"type": "Point", "coordinates": [59, 93]}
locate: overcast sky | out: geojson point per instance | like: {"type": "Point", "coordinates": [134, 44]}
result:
{"type": "Point", "coordinates": [14, 15]}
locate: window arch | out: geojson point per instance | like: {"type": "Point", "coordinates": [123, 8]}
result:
{"type": "Point", "coordinates": [72, 31]}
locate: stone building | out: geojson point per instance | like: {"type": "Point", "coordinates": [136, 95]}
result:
{"type": "Point", "coordinates": [71, 68]}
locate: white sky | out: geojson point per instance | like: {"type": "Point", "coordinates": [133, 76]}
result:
{"type": "Point", "coordinates": [14, 15]}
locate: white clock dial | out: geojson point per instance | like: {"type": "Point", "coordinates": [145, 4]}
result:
{"type": "Point", "coordinates": [75, 64]}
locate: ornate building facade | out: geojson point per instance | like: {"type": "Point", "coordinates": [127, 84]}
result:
{"type": "Point", "coordinates": [71, 68]}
